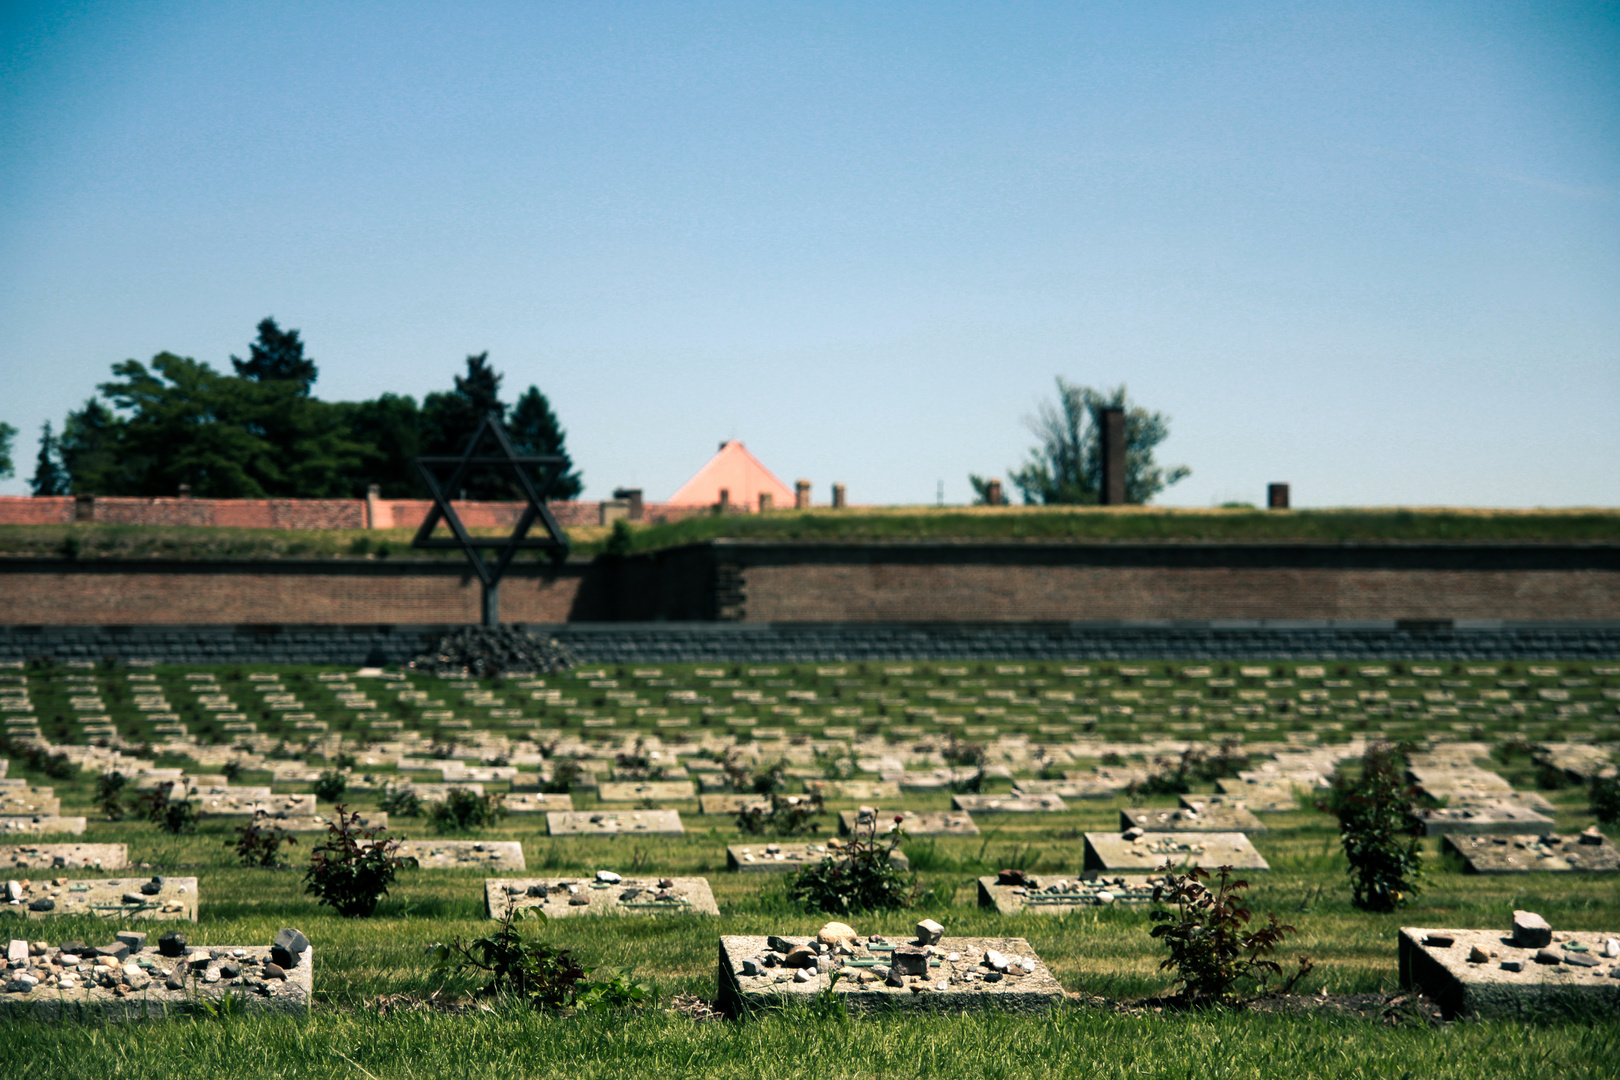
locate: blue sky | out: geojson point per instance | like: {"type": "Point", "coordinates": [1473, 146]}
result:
{"type": "Point", "coordinates": [1372, 250]}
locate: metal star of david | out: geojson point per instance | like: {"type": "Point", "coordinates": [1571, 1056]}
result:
{"type": "Point", "coordinates": [534, 474]}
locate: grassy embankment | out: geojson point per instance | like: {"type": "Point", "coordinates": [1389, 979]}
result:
{"type": "Point", "coordinates": [865, 523]}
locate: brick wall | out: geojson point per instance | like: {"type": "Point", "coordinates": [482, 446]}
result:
{"type": "Point", "coordinates": [295, 513]}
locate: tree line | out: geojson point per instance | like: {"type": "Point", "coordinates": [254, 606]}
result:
{"type": "Point", "coordinates": [259, 432]}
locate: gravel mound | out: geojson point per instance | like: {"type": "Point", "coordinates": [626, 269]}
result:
{"type": "Point", "coordinates": [483, 651]}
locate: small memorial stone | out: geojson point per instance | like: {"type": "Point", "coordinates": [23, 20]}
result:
{"type": "Point", "coordinates": [1531, 931]}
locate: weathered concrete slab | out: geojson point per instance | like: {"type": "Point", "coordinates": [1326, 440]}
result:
{"type": "Point", "coordinates": [1113, 853]}
{"type": "Point", "coordinates": [614, 823]}
{"type": "Point", "coordinates": [249, 803]}
{"type": "Point", "coordinates": [1201, 819]}
{"type": "Point", "coordinates": [368, 819]}
{"type": "Point", "coordinates": [42, 826]}
{"type": "Point", "coordinates": [1078, 787]}
{"type": "Point", "coordinates": [64, 856]}
{"type": "Point", "coordinates": [967, 983]}
{"type": "Point", "coordinates": [164, 898]}
{"type": "Point", "coordinates": [1484, 973]}
{"type": "Point", "coordinates": [857, 790]}
{"type": "Point", "coordinates": [730, 804]}
{"type": "Point", "coordinates": [628, 791]}
{"type": "Point", "coordinates": [1587, 853]}
{"type": "Point", "coordinates": [1528, 800]}
{"type": "Point", "coordinates": [1444, 783]}
{"type": "Point", "coordinates": [560, 898]}
{"type": "Point", "coordinates": [535, 802]}
{"type": "Point", "coordinates": [22, 801]}
{"type": "Point", "coordinates": [767, 858]}
{"type": "Point", "coordinates": [913, 823]}
{"type": "Point", "coordinates": [146, 984]}
{"type": "Point", "coordinates": [1477, 820]}
{"type": "Point", "coordinates": [1052, 894]}
{"type": "Point", "coordinates": [1011, 803]}
{"type": "Point", "coordinates": [1262, 796]}
{"type": "Point", "coordinates": [465, 854]}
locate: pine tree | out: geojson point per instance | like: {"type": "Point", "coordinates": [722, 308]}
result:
{"type": "Point", "coordinates": [278, 356]}
{"type": "Point", "coordinates": [49, 476]}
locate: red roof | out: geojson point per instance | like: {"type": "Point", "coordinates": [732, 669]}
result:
{"type": "Point", "coordinates": [740, 474]}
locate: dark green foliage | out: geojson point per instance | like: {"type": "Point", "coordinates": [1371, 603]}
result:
{"type": "Point", "coordinates": [352, 869]}
{"type": "Point", "coordinates": [858, 876]}
{"type": "Point", "coordinates": [1211, 949]}
{"type": "Point", "coordinates": [400, 802]}
{"type": "Point", "coordinates": [546, 978]}
{"type": "Point", "coordinates": [278, 356]}
{"type": "Point", "coordinates": [110, 794]}
{"type": "Point", "coordinates": [175, 816]}
{"type": "Point", "coordinates": [258, 843]}
{"type": "Point", "coordinates": [1066, 466]}
{"type": "Point", "coordinates": [1196, 765]}
{"type": "Point", "coordinates": [49, 476]}
{"type": "Point", "coordinates": [89, 451]}
{"type": "Point", "coordinates": [765, 780]}
{"type": "Point", "coordinates": [535, 430]}
{"type": "Point", "coordinates": [966, 755]}
{"type": "Point", "coordinates": [622, 539]}
{"type": "Point", "coordinates": [1379, 828]}
{"type": "Point", "coordinates": [788, 815]}
{"type": "Point", "coordinates": [1603, 795]}
{"type": "Point", "coordinates": [330, 785]}
{"type": "Point", "coordinates": [564, 775]}
{"type": "Point", "coordinates": [7, 434]}
{"type": "Point", "coordinates": [463, 811]}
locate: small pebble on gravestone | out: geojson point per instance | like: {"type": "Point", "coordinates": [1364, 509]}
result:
{"type": "Point", "coordinates": [929, 932]}
{"type": "Point", "coordinates": [1582, 959]}
{"type": "Point", "coordinates": [910, 961]}
{"type": "Point", "coordinates": [1531, 931]}
{"type": "Point", "coordinates": [778, 944]}
{"type": "Point", "coordinates": [1611, 948]}
{"type": "Point", "coordinates": [894, 978]}
{"type": "Point", "coordinates": [800, 956]}
{"type": "Point", "coordinates": [44, 903]}
{"type": "Point", "coordinates": [1476, 955]}
{"type": "Point", "coordinates": [1548, 956]}
{"type": "Point", "coordinates": [17, 952]}
{"type": "Point", "coordinates": [1439, 941]}
{"type": "Point", "coordinates": [274, 971]}
{"type": "Point", "coordinates": [836, 933]}
{"type": "Point", "coordinates": [801, 976]}
{"type": "Point", "coordinates": [133, 938]}
{"type": "Point", "coordinates": [172, 944]}
{"type": "Point", "coordinates": [608, 877]}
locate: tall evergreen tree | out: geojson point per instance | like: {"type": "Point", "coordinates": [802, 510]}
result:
{"type": "Point", "coordinates": [7, 433]}
{"type": "Point", "coordinates": [49, 476]}
{"type": "Point", "coordinates": [278, 356]}
{"type": "Point", "coordinates": [88, 448]}
{"type": "Point", "coordinates": [535, 430]}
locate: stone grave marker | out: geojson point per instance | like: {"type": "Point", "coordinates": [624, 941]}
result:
{"type": "Point", "coordinates": [465, 854]}
{"type": "Point", "coordinates": [950, 975]}
{"type": "Point", "coordinates": [1477, 820]}
{"type": "Point", "coordinates": [781, 858]}
{"type": "Point", "coordinates": [1220, 818]}
{"type": "Point", "coordinates": [914, 823]}
{"type": "Point", "coordinates": [1052, 894]}
{"type": "Point", "coordinates": [857, 790]}
{"type": "Point", "coordinates": [1588, 853]}
{"type": "Point", "coordinates": [1146, 852]}
{"type": "Point", "coordinates": [368, 819]}
{"type": "Point", "coordinates": [22, 801]}
{"type": "Point", "coordinates": [1464, 780]}
{"type": "Point", "coordinates": [42, 826]}
{"type": "Point", "coordinates": [1261, 796]}
{"type": "Point", "coordinates": [731, 804]}
{"type": "Point", "coordinates": [614, 823]}
{"type": "Point", "coordinates": [107, 898]}
{"type": "Point", "coordinates": [535, 802]}
{"type": "Point", "coordinates": [630, 791]}
{"type": "Point", "coordinates": [248, 803]}
{"type": "Point", "coordinates": [1012, 803]}
{"type": "Point", "coordinates": [130, 979]}
{"type": "Point", "coordinates": [1080, 786]}
{"type": "Point", "coordinates": [559, 898]}
{"type": "Point", "coordinates": [1525, 972]}
{"type": "Point", "coordinates": [64, 856]}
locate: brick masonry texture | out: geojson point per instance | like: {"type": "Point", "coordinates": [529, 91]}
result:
{"type": "Point", "coordinates": [293, 513]}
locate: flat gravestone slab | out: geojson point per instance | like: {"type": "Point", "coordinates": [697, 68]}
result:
{"type": "Point", "coordinates": [561, 898]}
{"type": "Point", "coordinates": [1073, 788]}
{"type": "Point", "coordinates": [1534, 854]}
{"type": "Point", "coordinates": [1475, 820]}
{"type": "Point", "coordinates": [1260, 796]}
{"type": "Point", "coordinates": [1211, 819]}
{"type": "Point", "coordinates": [914, 823]}
{"type": "Point", "coordinates": [1437, 962]}
{"type": "Point", "coordinates": [369, 819]}
{"type": "Point", "coordinates": [646, 791]}
{"type": "Point", "coordinates": [465, 854]}
{"type": "Point", "coordinates": [247, 804]}
{"type": "Point", "coordinates": [1013, 803]}
{"type": "Point", "coordinates": [29, 802]}
{"type": "Point", "coordinates": [64, 856]}
{"type": "Point", "coordinates": [730, 804]}
{"type": "Point", "coordinates": [614, 823]}
{"type": "Point", "coordinates": [1050, 894]}
{"type": "Point", "coordinates": [1112, 853]}
{"type": "Point", "coordinates": [859, 790]}
{"type": "Point", "coordinates": [780, 858]}
{"type": "Point", "coordinates": [1529, 800]}
{"type": "Point", "coordinates": [165, 898]}
{"type": "Point", "coordinates": [534, 802]}
{"type": "Point", "coordinates": [149, 994]}
{"type": "Point", "coordinates": [1443, 782]}
{"type": "Point", "coordinates": [965, 984]}
{"type": "Point", "coordinates": [41, 826]}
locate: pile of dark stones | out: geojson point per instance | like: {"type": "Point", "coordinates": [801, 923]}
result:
{"type": "Point", "coordinates": [486, 651]}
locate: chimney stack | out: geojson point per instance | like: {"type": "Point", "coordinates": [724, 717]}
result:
{"type": "Point", "coordinates": [1112, 422]}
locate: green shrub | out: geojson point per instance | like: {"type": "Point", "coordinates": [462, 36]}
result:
{"type": "Point", "coordinates": [401, 802]}
{"type": "Point", "coordinates": [1379, 828]}
{"type": "Point", "coordinates": [110, 794]}
{"type": "Point", "coordinates": [352, 870]}
{"type": "Point", "coordinates": [1211, 951]}
{"type": "Point", "coordinates": [966, 755]}
{"type": "Point", "coordinates": [788, 815]}
{"type": "Point", "coordinates": [330, 786]}
{"type": "Point", "coordinates": [546, 978]}
{"type": "Point", "coordinates": [463, 811]}
{"type": "Point", "coordinates": [258, 843]}
{"type": "Point", "coordinates": [858, 876]}
{"type": "Point", "coordinates": [1603, 794]}
{"type": "Point", "coordinates": [174, 816]}
{"type": "Point", "coordinates": [564, 775]}
{"type": "Point", "coordinates": [1196, 765]}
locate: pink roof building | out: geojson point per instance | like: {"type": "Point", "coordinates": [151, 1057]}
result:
{"type": "Point", "coordinates": [740, 475]}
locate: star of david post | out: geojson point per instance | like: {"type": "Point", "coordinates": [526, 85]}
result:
{"type": "Point", "coordinates": [534, 475]}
